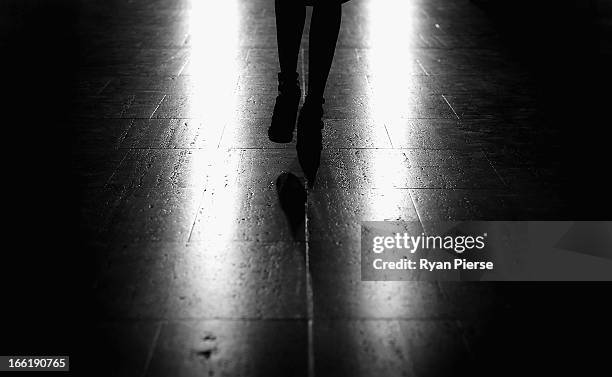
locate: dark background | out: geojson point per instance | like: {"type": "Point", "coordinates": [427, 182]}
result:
{"type": "Point", "coordinates": [567, 45]}
{"type": "Point", "coordinates": [44, 268]}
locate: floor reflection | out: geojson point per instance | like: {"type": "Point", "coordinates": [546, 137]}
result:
{"type": "Point", "coordinates": [292, 197]}
{"type": "Point", "coordinates": [310, 160]}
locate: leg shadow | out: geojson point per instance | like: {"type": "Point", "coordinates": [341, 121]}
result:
{"type": "Point", "coordinates": [292, 197]}
{"type": "Point", "coordinates": [310, 160]}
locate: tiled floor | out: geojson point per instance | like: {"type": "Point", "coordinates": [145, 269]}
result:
{"type": "Point", "coordinates": [197, 270]}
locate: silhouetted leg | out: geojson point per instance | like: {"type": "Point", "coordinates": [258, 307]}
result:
{"type": "Point", "coordinates": [324, 29]}
{"type": "Point", "coordinates": [290, 18]}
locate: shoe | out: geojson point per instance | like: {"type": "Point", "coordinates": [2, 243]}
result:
{"type": "Point", "coordinates": [285, 108]}
{"type": "Point", "coordinates": [310, 137]}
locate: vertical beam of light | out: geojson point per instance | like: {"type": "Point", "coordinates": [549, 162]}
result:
{"type": "Point", "coordinates": [214, 67]}
{"type": "Point", "coordinates": [214, 28]}
{"type": "Point", "coordinates": [212, 271]}
{"type": "Point", "coordinates": [214, 60]}
{"type": "Point", "coordinates": [390, 59]}
{"type": "Point", "coordinates": [391, 27]}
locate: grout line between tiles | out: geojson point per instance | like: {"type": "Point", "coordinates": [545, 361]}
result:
{"type": "Point", "coordinates": [158, 105]}
{"type": "Point", "coordinates": [309, 292]}
{"type": "Point", "coordinates": [449, 105]}
{"type": "Point", "coordinates": [152, 349]}
{"type": "Point", "coordinates": [303, 73]}
{"type": "Point", "coordinates": [422, 68]}
{"type": "Point", "coordinates": [103, 88]}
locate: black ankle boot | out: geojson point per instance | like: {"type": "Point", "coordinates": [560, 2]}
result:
{"type": "Point", "coordinates": [310, 124]}
{"type": "Point", "coordinates": [285, 108]}
{"type": "Point", "coordinates": [309, 137]}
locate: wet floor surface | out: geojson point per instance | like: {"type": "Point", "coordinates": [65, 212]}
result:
{"type": "Point", "coordinates": [202, 268]}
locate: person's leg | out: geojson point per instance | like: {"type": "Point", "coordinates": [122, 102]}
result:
{"type": "Point", "coordinates": [290, 18]}
{"type": "Point", "coordinates": [324, 29]}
